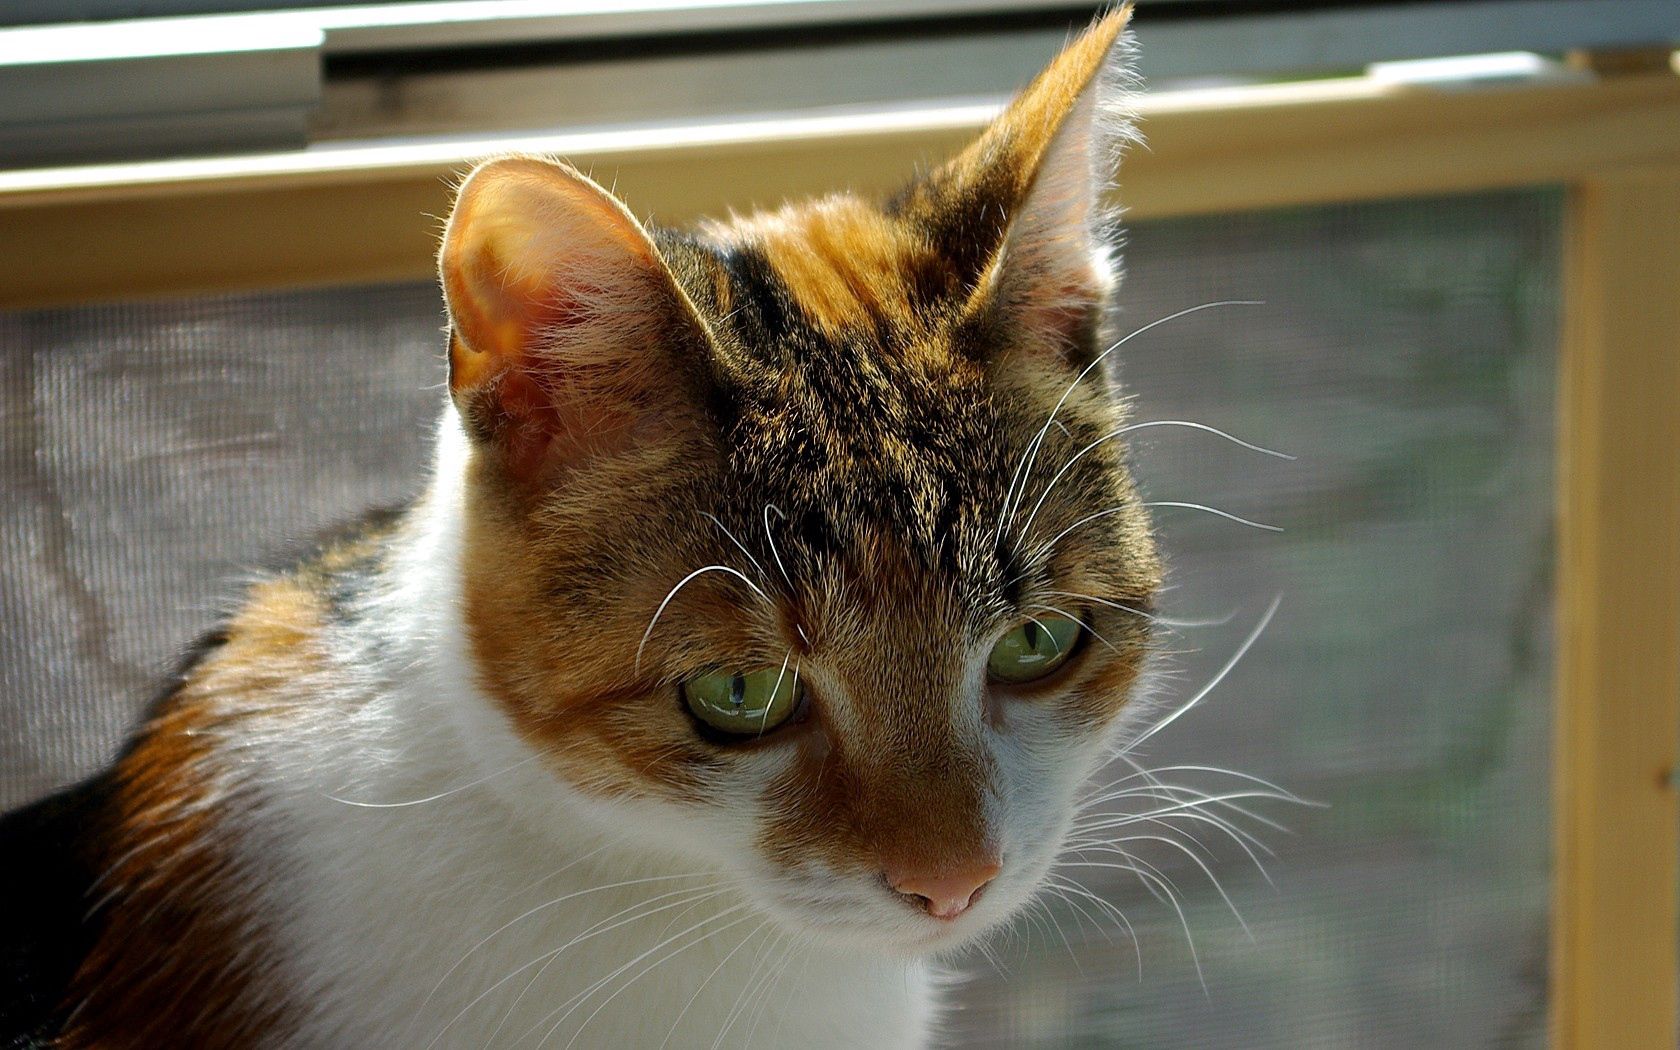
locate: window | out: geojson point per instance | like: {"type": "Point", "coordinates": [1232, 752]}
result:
{"type": "Point", "coordinates": [1467, 341]}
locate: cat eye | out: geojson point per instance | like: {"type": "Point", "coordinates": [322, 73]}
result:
{"type": "Point", "coordinates": [744, 704]}
{"type": "Point", "coordinates": [1034, 649]}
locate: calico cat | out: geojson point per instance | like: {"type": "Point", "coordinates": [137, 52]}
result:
{"type": "Point", "coordinates": [777, 586]}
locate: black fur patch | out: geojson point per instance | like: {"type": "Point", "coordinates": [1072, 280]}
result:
{"type": "Point", "coordinates": [45, 929]}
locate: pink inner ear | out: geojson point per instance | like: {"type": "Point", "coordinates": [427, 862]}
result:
{"type": "Point", "coordinates": [502, 301]}
{"type": "Point", "coordinates": [563, 315]}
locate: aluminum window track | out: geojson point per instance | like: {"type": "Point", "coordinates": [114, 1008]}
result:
{"type": "Point", "coordinates": [210, 84]}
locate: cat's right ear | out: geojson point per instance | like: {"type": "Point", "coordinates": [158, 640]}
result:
{"type": "Point", "coordinates": [567, 331]}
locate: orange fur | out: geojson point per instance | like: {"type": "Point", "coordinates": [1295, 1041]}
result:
{"type": "Point", "coordinates": [178, 960]}
{"type": "Point", "coordinates": [561, 586]}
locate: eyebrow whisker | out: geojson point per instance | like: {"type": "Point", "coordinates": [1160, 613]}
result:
{"type": "Point", "coordinates": [684, 582]}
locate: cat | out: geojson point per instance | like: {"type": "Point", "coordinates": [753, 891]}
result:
{"type": "Point", "coordinates": [777, 585]}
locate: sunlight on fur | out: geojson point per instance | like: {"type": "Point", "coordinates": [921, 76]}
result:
{"type": "Point", "coordinates": [774, 628]}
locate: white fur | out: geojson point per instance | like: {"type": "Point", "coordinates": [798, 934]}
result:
{"type": "Point", "coordinates": [426, 861]}
{"type": "Point", "coordinates": [376, 905]}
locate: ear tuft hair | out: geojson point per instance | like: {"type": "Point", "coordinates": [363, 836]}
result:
{"type": "Point", "coordinates": [1023, 213]}
{"type": "Point", "coordinates": [1055, 269]}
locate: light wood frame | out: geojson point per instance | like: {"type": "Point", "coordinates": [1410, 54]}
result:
{"type": "Point", "coordinates": [359, 213]}
{"type": "Point", "coordinates": [1618, 716]}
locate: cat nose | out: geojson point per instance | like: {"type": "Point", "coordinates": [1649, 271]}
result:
{"type": "Point", "coordinates": [944, 892]}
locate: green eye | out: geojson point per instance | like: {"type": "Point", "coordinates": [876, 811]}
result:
{"type": "Point", "coordinates": [744, 704]}
{"type": "Point", "coordinates": [1034, 649]}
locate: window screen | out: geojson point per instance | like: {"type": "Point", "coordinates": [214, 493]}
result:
{"type": "Point", "coordinates": [1404, 354]}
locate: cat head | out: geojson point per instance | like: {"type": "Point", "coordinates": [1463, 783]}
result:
{"type": "Point", "coordinates": [803, 541]}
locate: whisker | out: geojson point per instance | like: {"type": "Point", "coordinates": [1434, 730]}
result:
{"type": "Point", "coordinates": [1227, 515]}
{"type": "Point", "coordinates": [549, 904]}
{"type": "Point", "coordinates": [715, 971]}
{"type": "Point", "coordinates": [1242, 650]}
{"type": "Point", "coordinates": [774, 553]}
{"type": "Point", "coordinates": [1179, 792]}
{"type": "Point", "coordinates": [1146, 877]}
{"type": "Point", "coordinates": [684, 582]}
{"type": "Point", "coordinates": [441, 794]}
{"type": "Point", "coordinates": [1055, 886]}
{"type": "Point", "coordinates": [1191, 424]}
{"type": "Point", "coordinates": [1023, 469]}
{"type": "Point", "coordinates": [1047, 632]}
{"type": "Point", "coordinates": [1193, 803]}
{"type": "Point", "coordinates": [1073, 885]}
{"type": "Point", "coordinates": [556, 873]}
{"type": "Point", "coordinates": [554, 953]}
{"type": "Point", "coordinates": [1215, 770]}
{"type": "Point", "coordinates": [1026, 526]}
{"type": "Point", "coordinates": [1245, 840]}
{"type": "Point", "coordinates": [1119, 819]}
{"type": "Point", "coordinates": [1051, 915]}
{"type": "Point", "coordinates": [1046, 548]}
{"type": "Point", "coordinates": [1207, 871]}
{"type": "Point", "coordinates": [1080, 621]}
{"type": "Point", "coordinates": [605, 1002]}
{"type": "Point", "coordinates": [1179, 624]}
{"type": "Point", "coordinates": [764, 719]}
{"type": "Point", "coordinates": [747, 986]}
{"type": "Point", "coordinates": [567, 1008]}
{"type": "Point", "coordinates": [804, 969]}
{"type": "Point", "coordinates": [738, 544]}
{"type": "Point", "coordinates": [1106, 602]}
{"type": "Point", "coordinates": [1164, 621]}
{"type": "Point", "coordinates": [649, 968]}
{"type": "Point", "coordinates": [756, 990]}
{"type": "Point", "coordinates": [768, 995]}
{"type": "Point", "coordinates": [992, 959]}
{"type": "Point", "coordinates": [1167, 825]}
{"type": "Point", "coordinates": [687, 904]}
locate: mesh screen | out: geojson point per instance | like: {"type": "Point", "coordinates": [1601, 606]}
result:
{"type": "Point", "coordinates": [1405, 354]}
{"type": "Point", "coordinates": [151, 454]}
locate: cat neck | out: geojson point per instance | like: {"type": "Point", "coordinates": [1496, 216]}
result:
{"type": "Point", "coordinates": [449, 887]}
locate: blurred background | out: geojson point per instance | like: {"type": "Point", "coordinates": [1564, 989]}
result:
{"type": "Point", "coordinates": [1460, 221]}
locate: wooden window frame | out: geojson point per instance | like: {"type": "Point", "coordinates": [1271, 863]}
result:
{"type": "Point", "coordinates": [351, 214]}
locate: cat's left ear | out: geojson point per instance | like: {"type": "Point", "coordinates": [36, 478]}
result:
{"type": "Point", "coordinates": [1034, 188]}
{"type": "Point", "coordinates": [569, 337]}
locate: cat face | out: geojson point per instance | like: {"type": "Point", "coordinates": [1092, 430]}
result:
{"type": "Point", "coordinates": [803, 542]}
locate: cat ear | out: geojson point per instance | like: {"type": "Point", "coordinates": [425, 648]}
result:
{"type": "Point", "coordinates": [567, 331]}
{"type": "Point", "coordinates": [1033, 188]}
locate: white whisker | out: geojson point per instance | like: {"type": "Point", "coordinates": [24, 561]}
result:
{"type": "Point", "coordinates": [771, 539]}
{"type": "Point", "coordinates": [1046, 548]}
{"type": "Point", "coordinates": [602, 927]}
{"type": "Point", "coordinates": [738, 544]}
{"type": "Point", "coordinates": [1081, 622]}
{"type": "Point", "coordinates": [1107, 603]}
{"type": "Point", "coordinates": [441, 794]}
{"type": "Point", "coordinates": [1227, 515]}
{"type": "Point", "coordinates": [684, 582]}
{"type": "Point", "coordinates": [1191, 424]}
{"type": "Point", "coordinates": [1026, 526]}
{"type": "Point", "coordinates": [1242, 650]}
{"type": "Point", "coordinates": [1023, 469]}
{"type": "Point", "coordinates": [754, 932]}
{"type": "Point", "coordinates": [567, 1008]}
{"type": "Point", "coordinates": [1171, 897]}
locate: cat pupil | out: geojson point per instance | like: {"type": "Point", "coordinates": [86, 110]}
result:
{"type": "Point", "coordinates": [1031, 631]}
{"type": "Point", "coordinates": [737, 691]}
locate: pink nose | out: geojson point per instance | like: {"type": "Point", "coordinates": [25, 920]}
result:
{"type": "Point", "coordinates": [944, 893]}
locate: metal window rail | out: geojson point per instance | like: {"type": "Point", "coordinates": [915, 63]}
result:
{"type": "Point", "coordinates": [208, 84]}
